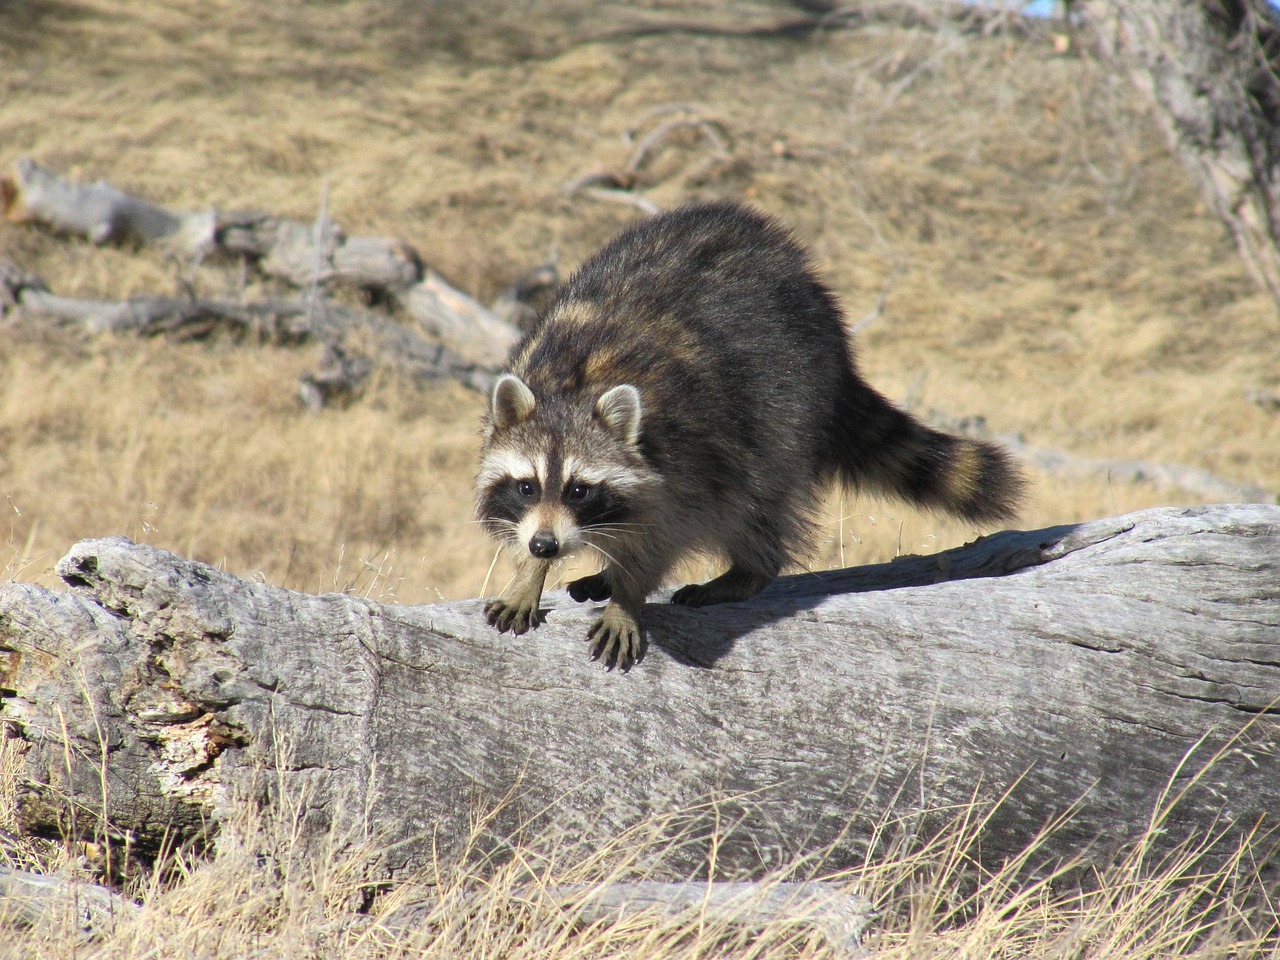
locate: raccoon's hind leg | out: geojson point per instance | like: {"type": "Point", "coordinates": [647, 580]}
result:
{"type": "Point", "coordinates": [736, 583]}
{"type": "Point", "coordinates": [596, 587]}
{"type": "Point", "coordinates": [755, 561]}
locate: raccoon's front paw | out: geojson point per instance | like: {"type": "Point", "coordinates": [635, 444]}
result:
{"type": "Point", "coordinates": [516, 617]}
{"type": "Point", "coordinates": [595, 587]}
{"type": "Point", "coordinates": [615, 639]}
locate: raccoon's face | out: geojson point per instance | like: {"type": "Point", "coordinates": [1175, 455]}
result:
{"type": "Point", "coordinates": [555, 477]}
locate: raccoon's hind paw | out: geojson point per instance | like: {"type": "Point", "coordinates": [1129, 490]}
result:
{"type": "Point", "coordinates": [692, 595]}
{"type": "Point", "coordinates": [730, 587]}
{"type": "Point", "coordinates": [512, 616]}
{"type": "Point", "coordinates": [615, 639]}
{"type": "Point", "coordinates": [595, 587]}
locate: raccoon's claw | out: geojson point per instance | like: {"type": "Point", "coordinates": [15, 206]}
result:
{"type": "Point", "coordinates": [615, 639]}
{"type": "Point", "coordinates": [595, 587]}
{"type": "Point", "coordinates": [512, 616]}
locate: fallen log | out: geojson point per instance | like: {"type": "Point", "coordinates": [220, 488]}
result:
{"type": "Point", "coordinates": [297, 253]}
{"type": "Point", "coordinates": [305, 256]}
{"type": "Point", "coordinates": [1108, 669]}
{"type": "Point", "coordinates": [356, 342]}
{"type": "Point", "coordinates": [829, 908]}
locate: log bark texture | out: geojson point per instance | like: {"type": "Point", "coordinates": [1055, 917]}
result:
{"type": "Point", "coordinates": [1208, 68]}
{"type": "Point", "coordinates": [1097, 663]}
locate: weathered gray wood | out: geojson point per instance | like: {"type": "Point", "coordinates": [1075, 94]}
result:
{"type": "Point", "coordinates": [465, 339]}
{"type": "Point", "coordinates": [97, 211]}
{"type": "Point", "coordinates": [518, 304]}
{"type": "Point", "coordinates": [284, 249]}
{"type": "Point", "coordinates": [842, 917]}
{"type": "Point", "coordinates": [822, 15]}
{"type": "Point", "coordinates": [14, 282]}
{"type": "Point", "coordinates": [356, 341]}
{"type": "Point", "coordinates": [831, 908]}
{"type": "Point", "coordinates": [1095, 663]}
{"type": "Point", "coordinates": [301, 255]}
{"type": "Point", "coordinates": [462, 323]}
{"type": "Point", "coordinates": [180, 317]}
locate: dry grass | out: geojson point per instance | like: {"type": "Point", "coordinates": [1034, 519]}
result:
{"type": "Point", "coordinates": [1042, 261]}
{"type": "Point", "coordinates": [227, 467]}
{"type": "Point", "coordinates": [261, 895]}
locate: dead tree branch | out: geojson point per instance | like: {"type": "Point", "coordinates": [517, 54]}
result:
{"type": "Point", "coordinates": [1209, 72]}
{"type": "Point", "coordinates": [296, 253]}
{"type": "Point", "coordinates": [356, 342]}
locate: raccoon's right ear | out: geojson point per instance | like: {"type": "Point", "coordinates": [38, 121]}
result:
{"type": "Point", "coordinates": [512, 402]}
{"type": "Point", "coordinates": [619, 410]}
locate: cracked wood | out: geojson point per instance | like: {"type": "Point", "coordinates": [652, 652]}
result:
{"type": "Point", "coordinates": [1104, 663]}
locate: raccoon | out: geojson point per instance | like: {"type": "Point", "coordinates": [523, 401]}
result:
{"type": "Point", "coordinates": [692, 389]}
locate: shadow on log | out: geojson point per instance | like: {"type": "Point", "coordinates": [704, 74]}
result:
{"type": "Point", "coordinates": [1104, 663]}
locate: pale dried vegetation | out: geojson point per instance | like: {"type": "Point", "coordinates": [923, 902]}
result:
{"type": "Point", "coordinates": [929, 897]}
{"type": "Point", "coordinates": [1001, 214]}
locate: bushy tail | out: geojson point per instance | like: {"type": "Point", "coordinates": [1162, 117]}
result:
{"type": "Point", "coordinates": [877, 446]}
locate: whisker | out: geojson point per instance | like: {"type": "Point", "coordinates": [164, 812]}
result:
{"type": "Point", "coordinates": [506, 529]}
{"type": "Point", "coordinates": [609, 530]}
{"type": "Point", "coordinates": [613, 563]}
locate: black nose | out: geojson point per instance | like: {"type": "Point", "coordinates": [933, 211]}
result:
{"type": "Point", "coordinates": [544, 546]}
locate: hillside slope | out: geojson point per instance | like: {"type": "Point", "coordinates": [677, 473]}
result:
{"type": "Point", "coordinates": [1043, 262]}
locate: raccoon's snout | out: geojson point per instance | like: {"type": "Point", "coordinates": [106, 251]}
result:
{"type": "Point", "coordinates": [544, 545]}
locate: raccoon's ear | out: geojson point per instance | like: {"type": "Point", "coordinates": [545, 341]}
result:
{"type": "Point", "coordinates": [619, 410]}
{"type": "Point", "coordinates": [512, 402]}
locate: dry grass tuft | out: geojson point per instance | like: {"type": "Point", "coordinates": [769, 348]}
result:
{"type": "Point", "coordinates": [266, 894]}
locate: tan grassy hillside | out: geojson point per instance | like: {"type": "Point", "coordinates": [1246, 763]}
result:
{"type": "Point", "coordinates": [1047, 264]}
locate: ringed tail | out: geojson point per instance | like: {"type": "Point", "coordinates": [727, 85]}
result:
{"type": "Point", "coordinates": [878, 446]}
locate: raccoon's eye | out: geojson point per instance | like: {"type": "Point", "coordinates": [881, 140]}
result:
{"type": "Point", "coordinates": [526, 488]}
{"type": "Point", "coordinates": [578, 492]}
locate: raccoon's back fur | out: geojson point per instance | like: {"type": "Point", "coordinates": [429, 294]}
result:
{"type": "Point", "coordinates": [693, 388]}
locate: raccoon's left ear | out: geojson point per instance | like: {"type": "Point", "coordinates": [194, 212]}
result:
{"type": "Point", "coordinates": [512, 402]}
{"type": "Point", "coordinates": [619, 410]}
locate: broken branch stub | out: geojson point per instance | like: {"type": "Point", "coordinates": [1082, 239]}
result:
{"type": "Point", "coordinates": [97, 211]}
